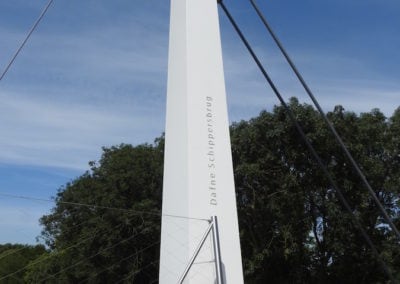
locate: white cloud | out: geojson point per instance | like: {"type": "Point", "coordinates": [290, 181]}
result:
{"type": "Point", "coordinates": [75, 89]}
{"type": "Point", "coordinates": [361, 96]}
{"type": "Point", "coordinates": [38, 132]}
{"type": "Point", "coordinates": [334, 79]}
{"type": "Point", "coordinates": [69, 94]}
{"type": "Point", "coordinates": [94, 75]}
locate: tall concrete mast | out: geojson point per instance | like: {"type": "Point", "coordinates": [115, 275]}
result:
{"type": "Point", "coordinates": [198, 172]}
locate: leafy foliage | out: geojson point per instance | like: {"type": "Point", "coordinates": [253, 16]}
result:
{"type": "Point", "coordinates": [15, 258]}
{"type": "Point", "coordinates": [293, 228]}
{"type": "Point", "coordinates": [96, 243]}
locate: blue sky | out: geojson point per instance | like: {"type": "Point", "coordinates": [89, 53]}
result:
{"type": "Point", "coordinates": [94, 74]}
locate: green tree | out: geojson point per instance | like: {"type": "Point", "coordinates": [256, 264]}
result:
{"type": "Point", "coordinates": [293, 228]}
{"type": "Point", "coordinates": [14, 259]}
{"type": "Point", "coordinates": [98, 244]}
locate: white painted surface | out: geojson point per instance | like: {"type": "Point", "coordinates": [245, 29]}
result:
{"type": "Point", "coordinates": [198, 174]}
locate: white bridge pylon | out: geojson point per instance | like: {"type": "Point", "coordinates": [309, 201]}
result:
{"type": "Point", "coordinates": [198, 172]}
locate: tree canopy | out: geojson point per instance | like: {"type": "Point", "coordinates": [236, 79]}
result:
{"type": "Point", "coordinates": [293, 228]}
{"type": "Point", "coordinates": [15, 258]}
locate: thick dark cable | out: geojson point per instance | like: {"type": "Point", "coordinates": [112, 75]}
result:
{"type": "Point", "coordinates": [26, 38]}
{"type": "Point", "coordinates": [328, 122]}
{"type": "Point", "coordinates": [310, 147]}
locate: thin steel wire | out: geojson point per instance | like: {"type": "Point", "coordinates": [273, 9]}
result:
{"type": "Point", "coordinates": [121, 260]}
{"type": "Point", "coordinates": [309, 145]}
{"type": "Point", "coordinates": [51, 255]}
{"type": "Point", "coordinates": [96, 254]}
{"type": "Point", "coordinates": [69, 229]}
{"type": "Point", "coordinates": [133, 273]}
{"type": "Point", "coordinates": [26, 39]}
{"type": "Point", "coordinates": [138, 212]}
{"type": "Point", "coordinates": [13, 252]}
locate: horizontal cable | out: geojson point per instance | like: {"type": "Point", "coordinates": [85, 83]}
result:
{"type": "Point", "coordinates": [96, 254]}
{"type": "Point", "coordinates": [121, 260]}
{"type": "Point", "coordinates": [26, 247]}
{"type": "Point", "coordinates": [12, 252]}
{"type": "Point", "coordinates": [57, 252]}
{"type": "Point", "coordinates": [133, 273]}
{"type": "Point", "coordinates": [138, 212]}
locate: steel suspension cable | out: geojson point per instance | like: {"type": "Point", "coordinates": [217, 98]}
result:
{"type": "Point", "coordinates": [95, 206]}
{"type": "Point", "coordinates": [133, 273]}
{"type": "Point", "coordinates": [332, 129]}
{"type": "Point", "coordinates": [69, 229]}
{"type": "Point", "coordinates": [40, 260]}
{"type": "Point", "coordinates": [26, 39]}
{"type": "Point", "coordinates": [122, 260]}
{"type": "Point", "coordinates": [26, 247]}
{"type": "Point", "coordinates": [96, 254]}
{"type": "Point", "coordinates": [310, 146]}
{"type": "Point", "coordinates": [13, 252]}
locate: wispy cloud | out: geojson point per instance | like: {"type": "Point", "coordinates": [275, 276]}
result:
{"type": "Point", "coordinates": [69, 94]}
{"type": "Point", "coordinates": [334, 78]}
{"type": "Point", "coordinates": [94, 74]}
{"type": "Point", "coordinates": [77, 88]}
{"type": "Point", "coordinates": [69, 135]}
